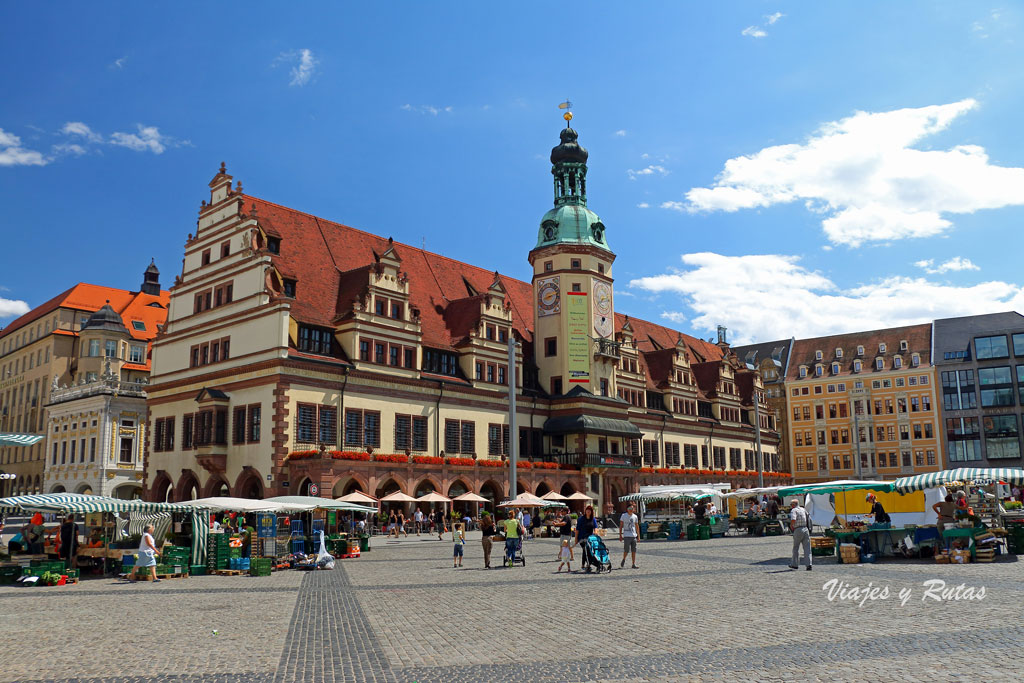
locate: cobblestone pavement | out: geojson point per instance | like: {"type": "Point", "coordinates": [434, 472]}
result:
{"type": "Point", "coordinates": [724, 609]}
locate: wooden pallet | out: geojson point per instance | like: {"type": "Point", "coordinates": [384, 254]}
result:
{"type": "Point", "coordinates": [149, 577]}
{"type": "Point", "coordinates": [230, 572]}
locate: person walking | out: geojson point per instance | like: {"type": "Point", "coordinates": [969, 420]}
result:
{"type": "Point", "coordinates": [401, 525]}
{"type": "Point", "coordinates": [488, 530]}
{"type": "Point", "coordinates": [800, 523]}
{"type": "Point", "coordinates": [585, 526]}
{"type": "Point", "coordinates": [564, 524]}
{"type": "Point", "coordinates": [148, 552]}
{"type": "Point", "coordinates": [441, 526]}
{"type": "Point", "coordinates": [563, 557]}
{"type": "Point", "coordinates": [417, 520]}
{"type": "Point", "coordinates": [513, 536]}
{"type": "Point", "coordinates": [527, 521]}
{"type": "Point", "coordinates": [628, 523]}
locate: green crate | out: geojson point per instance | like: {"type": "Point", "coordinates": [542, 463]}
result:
{"type": "Point", "coordinates": [71, 573]}
{"type": "Point", "coordinates": [14, 571]}
{"type": "Point", "coordinates": [197, 569]}
{"type": "Point", "coordinates": [259, 571]}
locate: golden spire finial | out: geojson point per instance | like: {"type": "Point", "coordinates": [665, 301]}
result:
{"type": "Point", "coordinates": [568, 114]}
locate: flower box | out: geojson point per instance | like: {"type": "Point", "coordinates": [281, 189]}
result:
{"type": "Point", "coordinates": [545, 465]}
{"type": "Point", "coordinates": [524, 464]}
{"type": "Point", "coordinates": [427, 460]}
{"type": "Point", "coordinates": [350, 455]}
{"type": "Point", "coordinates": [303, 455]}
{"type": "Point", "coordinates": [490, 463]}
{"type": "Point", "coordinates": [461, 462]}
{"type": "Point", "coordinates": [391, 457]}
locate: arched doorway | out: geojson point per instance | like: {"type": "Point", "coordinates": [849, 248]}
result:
{"type": "Point", "coordinates": [542, 488]}
{"type": "Point", "coordinates": [519, 487]}
{"type": "Point", "coordinates": [456, 489]}
{"type": "Point", "coordinates": [188, 487]}
{"type": "Point", "coordinates": [59, 488]}
{"type": "Point", "coordinates": [493, 493]}
{"type": "Point", "coordinates": [387, 488]}
{"type": "Point", "coordinates": [84, 489]}
{"type": "Point", "coordinates": [424, 487]}
{"type": "Point", "coordinates": [303, 489]}
{"type": "Point", "coordinates": [36, 485]}
{"type": "Point", "coordinates": [127, 492]}
{"type": "Point", "coordinates": [162, 491]}
{"type": "Point", "coordinates": [343, 488]}
{"type": "Point", "coordinates": [250, 486]}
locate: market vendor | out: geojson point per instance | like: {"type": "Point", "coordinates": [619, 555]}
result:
{"type": "Point", "coordinates": [946, 511]}
{"type": "Point", "coordinates": [882, 519]}
{"type": "Point", "coordinates": [699, 510]}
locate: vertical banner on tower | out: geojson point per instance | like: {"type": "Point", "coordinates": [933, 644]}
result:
{"type": "Point", "coordinates": [577, 310]}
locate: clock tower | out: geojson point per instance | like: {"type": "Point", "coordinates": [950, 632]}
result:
{"type": "Point", "coordinates": [574, 320]}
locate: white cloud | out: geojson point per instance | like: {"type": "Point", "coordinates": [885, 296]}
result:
{"type": "Point", "coordinates": [957, 263]}
{"type": "Point", "coordinates": [69, 148]}
{"type": "Point", "coordinates": [79, 129]}
{"type": "Point", "coordinates": [674, 206]}
{"type": "Point", "coordinates": [643, 205]}
{"type": "Point", "coordinates": [147, 139]}
{"type": "Point", "coordinates": [864, 176]}
{"type": "Point", "coordinates": [753, 32]}
{"type": "Point", "coordinates": [119, 63]}
{"type": "Point", "coordinates": [427, 109]}
{"type": "Point", "coordinates": [649, 170]}
{"type": "Point", "coordinates": [772, 18]}
{"type": "Point", "coordinates": [620, 133]}
{"type": "Point", "coordinates": [12, 307]}
{"type": "Point", "coordinates": [303, 62]}
{"type": "Point", "coordinates": [767, 296]}
{"type": "Point", "coordinates": [13, 154]}
{"type": "Point", "coordinates": [674, 316]}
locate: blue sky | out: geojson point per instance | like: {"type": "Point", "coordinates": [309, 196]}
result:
{"type": "Point", "coordinates": [779, 168]}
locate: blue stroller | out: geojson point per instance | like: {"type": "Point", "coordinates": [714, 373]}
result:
{"type": "Point", "coordinates": [517, 556]}
{"type": "Point", "coordinates": [595, 555]}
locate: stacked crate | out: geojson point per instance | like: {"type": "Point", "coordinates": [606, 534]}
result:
{"type": "Point", "coordinates": [1015, 537]}
{"type": "Point", "coordinates": [176, 557]}
{"type": "Point", "coordinates": [261, 566]}
{"type": "Point", "coordinates": [217, 553]}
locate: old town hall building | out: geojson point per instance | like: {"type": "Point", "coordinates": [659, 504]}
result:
{"type": "Point", "coordinates": [302, 356]}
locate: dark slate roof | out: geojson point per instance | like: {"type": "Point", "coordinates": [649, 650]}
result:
{"type": "Point", "coordinates": [574, 424]}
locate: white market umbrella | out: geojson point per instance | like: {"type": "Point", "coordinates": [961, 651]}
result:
{"type": "Point", "coordinates": [359, 498]}
{"type": "Point", "coordinates": [229, 504]}
{"type": "Point", "coordinates": [433, 497]}
{"type": "Point", "coordinates": [553, 495]}
{"type": "Point", "coordinates": [526, 500]}
{"type": "Point", "coordinates": [398, 497]}
{"type": "Point", "coordinates": [579, 496]}
{"type": "Point", "coordinates": [472, 498]}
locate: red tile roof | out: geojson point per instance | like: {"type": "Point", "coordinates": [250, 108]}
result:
{"type": "Point", "coordinates": [918, 338]}
{"type": "Point", "coordinates": [325, 255]}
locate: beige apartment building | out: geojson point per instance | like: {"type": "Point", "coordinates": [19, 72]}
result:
{"type": "Point", "coordinates": [302, 356]}
{"type": "Point", "coordinates": [41, 352]}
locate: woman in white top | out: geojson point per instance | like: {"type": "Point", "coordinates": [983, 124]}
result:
{"type": "Point", "coordinates": [148, 551]}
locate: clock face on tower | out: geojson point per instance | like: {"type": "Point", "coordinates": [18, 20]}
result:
{"type": "Point", "coordinates": [548, 296]}
{"type": "Point", "coordinates": [603, 308]}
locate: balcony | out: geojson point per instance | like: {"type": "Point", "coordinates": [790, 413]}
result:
{"type": "Point", "coordinates": [114, 387]}
{"type": "Point", "coordinates": [615, 460]}
{"type": "Point", "coordinates": [606, 348]}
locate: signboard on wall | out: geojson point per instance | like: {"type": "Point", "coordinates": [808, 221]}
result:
{"type": "Point", "coordinates": [578, 351]}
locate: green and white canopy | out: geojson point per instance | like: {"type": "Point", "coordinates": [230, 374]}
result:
{"type": "Point", "coordinates": [671, 495]}
{"type": "Point", "coordinates": [314, 502]}
{"type": "Point", "coordinates": [836, 487]}
{"type": "Point", "coordinates": [76, 503]}
{"type": "Point", "coordinates": [977, 475]}
{"type": "Point", "coordinates": [9, 439]}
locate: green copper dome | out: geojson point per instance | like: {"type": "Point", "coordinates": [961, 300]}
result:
{"type": "Point", "coordinates": [571, 224]}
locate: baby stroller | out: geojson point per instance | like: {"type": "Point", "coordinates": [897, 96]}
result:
{"type": "Point", "coordinates": [595, 555]}
{"type": "Point", "coordinates": [517, 556]}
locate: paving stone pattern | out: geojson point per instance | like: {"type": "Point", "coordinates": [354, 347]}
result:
{"type": "Point", "coordinates": [723, 609]}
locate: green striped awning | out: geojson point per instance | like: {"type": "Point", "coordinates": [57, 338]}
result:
{"type": "Point", "coordinates": [835, 487]}
{"type": "Point", "coordinates": [976, 475]}
{"type": "Point", "coordinates": [9, 439]}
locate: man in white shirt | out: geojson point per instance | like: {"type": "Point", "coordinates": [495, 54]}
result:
{"type": "Point", "coordinates": [799, 522]}
{"type": "Point", "coordinates": [628, 525]}
{"type": "Point", "coordinates": [417, 520]}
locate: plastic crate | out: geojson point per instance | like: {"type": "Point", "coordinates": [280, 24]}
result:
{"type": "Point", "coordinates": [260, 571]}
{"type": "Point", "coordinates": [197, 569]}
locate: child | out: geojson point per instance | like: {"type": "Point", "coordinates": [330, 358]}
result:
{"type": "Point", "coordinates": [563, 556]}
{"type": "Point", "coordinates": [460, 542]}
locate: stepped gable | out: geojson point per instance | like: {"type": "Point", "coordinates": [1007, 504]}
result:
{"type": "Point", "coordinates": [322, 253]}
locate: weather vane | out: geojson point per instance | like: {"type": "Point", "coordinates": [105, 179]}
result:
{"type": "Point", "coordinates": [567, 105]}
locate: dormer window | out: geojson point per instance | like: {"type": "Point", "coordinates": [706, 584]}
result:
{"type": "Point", "coordinates": [289, 288]}
{"type": "Point", "coordinates": [835, 368]}
{"type": "Point", "coordinates": [817, 355]}
{"type": "Point", "coordinates": [879, 364]}
{"type": "Point", "coordinates": [881, 347]}
{"type": "Point", "coordinates": [860, 350]}
{"type": "Point", "coordinates": [857, 366]}
{"type": "Point", "coordinates": [397, 310]}
{"type": "Point", "coordinates": [839, 353]}
{"type": "Point", "coordinates": [897, 362]}
{"type": "Point", "coordinates": [915, 360]}
{"type": "Point", "coordinates": [818, 371]}
{"type": "Point", "coordinates": [904, 345]}
{"type": "Point", "coordinates": [274, 245]}
{"type": "Point", "coordinates": [803, 371]}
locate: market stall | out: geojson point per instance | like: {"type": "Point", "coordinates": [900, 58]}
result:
{"type": "Point", "coordinates": [664, 514]}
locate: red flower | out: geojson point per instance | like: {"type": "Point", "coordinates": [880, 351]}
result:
{"type": "Point", "coordinates": [490, 463]}
{"type": "Point", "coordinates": [524, 464]}
{"type": "Point", "coordinates": [350, 455]}
{"type": "Point", "coordinates": [392, 457]}
{"type": "Point", "coordinates": [303, 455]}
{"type": "Point", "coordinates": [646, 470]}
{"type": "Point", "coordinates": [461, 462]}
{"type": "Point", "coordinates": [427, 460]}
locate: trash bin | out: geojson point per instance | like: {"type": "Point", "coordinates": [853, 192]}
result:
{"type": "Point", "coordinates": [364, 543]}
